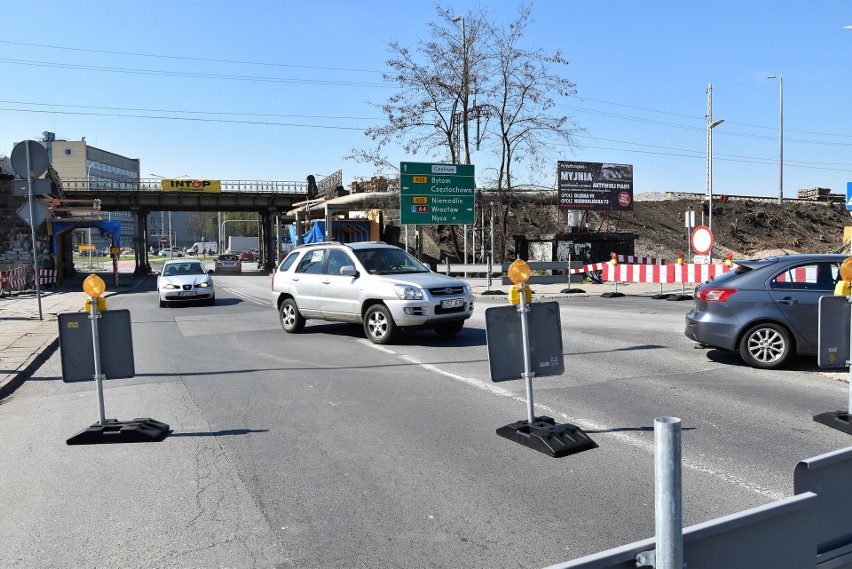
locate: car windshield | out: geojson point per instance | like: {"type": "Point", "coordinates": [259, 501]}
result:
{"type": "Point", "coordinates": [177, 269]}
{"type": "Point", "coordinates": [389, 261]}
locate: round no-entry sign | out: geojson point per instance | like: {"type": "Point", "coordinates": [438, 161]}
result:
{"type": "Point", "coordinates": [163, 240]}
{"type": "Point", "coordinates": [701, 240]}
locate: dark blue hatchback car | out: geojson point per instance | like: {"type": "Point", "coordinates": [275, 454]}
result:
{"type": "Point", "coordinates": [766, 309]}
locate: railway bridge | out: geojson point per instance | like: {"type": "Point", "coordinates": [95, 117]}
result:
{"type": "Point", "coordinates": [269, 199]}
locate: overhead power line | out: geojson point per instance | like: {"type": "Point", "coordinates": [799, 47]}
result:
{"type": "Point", "coordinates": [185, 58]}
{"type": "Point", "coordinates": [193, 75]}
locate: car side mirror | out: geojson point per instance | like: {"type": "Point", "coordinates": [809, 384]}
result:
{"type": "Point", "coordinates": [210, 271]}
{"type": "Point", "coordinates": [348, 271]}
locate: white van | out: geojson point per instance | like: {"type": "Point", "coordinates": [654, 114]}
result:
{"type": "Point", "coordinates": [200, 247]}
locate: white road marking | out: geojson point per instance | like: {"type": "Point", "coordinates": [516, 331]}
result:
{"type": "Point", "coordinates": [586, 425]}
{"type": "Point", "coordinates": [242, 295]}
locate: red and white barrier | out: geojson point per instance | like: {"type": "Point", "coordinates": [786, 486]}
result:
{"type": "Point", "coordinates": [630, 259]}
{"type": "Point", "coordinates": [47, 277]}
{"type": "Point", "coordinates": [668, 274]}
{"type": "Point", "coordinates": [639, 260]}
{"type": "Point", "coordinates": [13, 279]}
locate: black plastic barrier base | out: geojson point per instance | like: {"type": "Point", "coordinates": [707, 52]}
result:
{"type": "Point", "coordinates": [612, 295]}
{"type": "Point", "coordinates": [572, 291]}
{"type": "Point", "coordinates": [661, 296]}
{"type": "Point", "coordinates": [112, 431]}
{"type": "Point", "coordinates": [839, 420]}
{"type": "Point", "coordinates": [679, 297]}
{"type": "Point", "coordinates": [490, 292]}
{"type": "Point", "coordinates": [545, 436]}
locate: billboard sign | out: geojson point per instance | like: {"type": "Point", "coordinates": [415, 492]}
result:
{"type": "Point", "coordinates": [595, 185]}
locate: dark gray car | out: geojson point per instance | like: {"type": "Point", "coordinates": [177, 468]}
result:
{"type": "Point", "coordinates": [766, 309]}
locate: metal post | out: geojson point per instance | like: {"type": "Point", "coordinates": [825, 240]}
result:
{"type": "Point", "coordinates": [464, 228]}
{"type": "Point", "coordinates": [93, 316]}
{"type": "Point", "coordinates": [668, 507]}
{"type": "Point", "coordinates": [406, 239]}
{"type": "Point", "coordinates": [277, 239]}
{"type": "Point", "coordinates": [524, 308]}
{"type": "Point", "coordinates": [711, 124]}
{"type": "Point", "coordinates": [492, 231]}
{"type": "Point", "coordinates": [33, 231]}
{"type": "Point", "coordinates": [569, 270]}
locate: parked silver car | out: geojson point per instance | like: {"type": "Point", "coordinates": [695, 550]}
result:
{"type": "Point", "coordinates": [766, 309]}
{"type": "Point", "coordinates": [375, 284]}
{"type": "Point", "coordinates": [184, 280]}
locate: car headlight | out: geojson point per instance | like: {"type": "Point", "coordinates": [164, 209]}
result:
{"type": "Point", "coordinates": [204, 284]}
{"type": "Point", "coordinates": [408, 292]}
{"type": "Point", "coordinates": [170, 286]}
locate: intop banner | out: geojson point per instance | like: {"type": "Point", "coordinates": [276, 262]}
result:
{"type": "Point", "coordinates": [186, 185]}
{"type": "Point", "coordinates": [595, 185]}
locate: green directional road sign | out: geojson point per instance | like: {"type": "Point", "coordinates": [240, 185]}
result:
{"type": "Point", "coordinates": [436, 194]}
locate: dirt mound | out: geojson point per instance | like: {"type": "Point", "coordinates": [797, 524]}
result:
{"type": "Point", "coordinates": [745, 228]}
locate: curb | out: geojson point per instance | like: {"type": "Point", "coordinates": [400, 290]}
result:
{"type": "Point", "coordinates": [23, 374]}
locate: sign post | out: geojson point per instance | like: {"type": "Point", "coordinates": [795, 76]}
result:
{"type": "Point", "coordinates": [512, 353]}
{"type": "Point", "coordinates": [834, 343]}
{"type": "Point", "coordinates": [112, 356]}
{"type": "Point", "coordinates": [29, 160]}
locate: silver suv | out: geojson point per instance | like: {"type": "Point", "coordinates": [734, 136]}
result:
{"type": "Point", "coordinates": [370, 283]}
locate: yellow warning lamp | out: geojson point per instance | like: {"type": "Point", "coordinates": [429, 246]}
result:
{"type": "Point", "coordinates": [729, 260]}
{"type": "Point", "coordinates": [519, 271]}
{"type": "Point", "coordinates": [94, 286]}
{"type": "Point", "coordinates": [843, 287]}
{"type": "Point", "coordinates": [613, 258]}
{"type": "Point", "coordinates": [680, 258]}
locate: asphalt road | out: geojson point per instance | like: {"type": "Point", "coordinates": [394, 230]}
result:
{"type": "Point", "coordinates": [322, 450]}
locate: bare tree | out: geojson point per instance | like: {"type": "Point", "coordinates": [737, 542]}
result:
{"type": "Point", "coordinates": [428, 113]}
{"type": "Point", "coordinates": [467, 59]}
{"type": "Point", "coordinates": [522, 100]}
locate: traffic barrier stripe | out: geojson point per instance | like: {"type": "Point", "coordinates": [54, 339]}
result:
{"type": "Point", "coordinates": [47, 277]}
{"type": "Point", "coordinates": [668, 274]}
{"type": "Point", "coordinates": [629, 259]}
{"type": "Point", "coordinates": [17, 278]}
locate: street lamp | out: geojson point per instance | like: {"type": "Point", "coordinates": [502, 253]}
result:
{"type": "Point", "coordinates": [780, 138]}
{"type": "Point", "coordinates": [711, 124]}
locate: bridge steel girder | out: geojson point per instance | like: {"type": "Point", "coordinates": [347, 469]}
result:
{"type": "Point", "coordinates": [128, 200]}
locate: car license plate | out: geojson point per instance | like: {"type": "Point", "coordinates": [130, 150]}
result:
{"type": "Point", "coordinates": [186, 293]}
{"type": "Point", "coordinates": [452, 303]}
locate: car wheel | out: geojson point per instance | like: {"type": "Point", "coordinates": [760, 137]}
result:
{"type": "Point", "coordinates": [766, 346]}
{"type": "Point", "coordinates": [450, 329]}
{"type": "Point", "coordinates": [291, 320]}
{"type": "Point", "coordinates": [162, 302]}
{"type": "Point", "coordinates": [379, 325]}
{"type": "Point", "coordinates": [212, 301]}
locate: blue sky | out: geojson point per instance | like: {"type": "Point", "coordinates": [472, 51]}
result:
{"type": "Point", "coordinates": [641, 70]}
